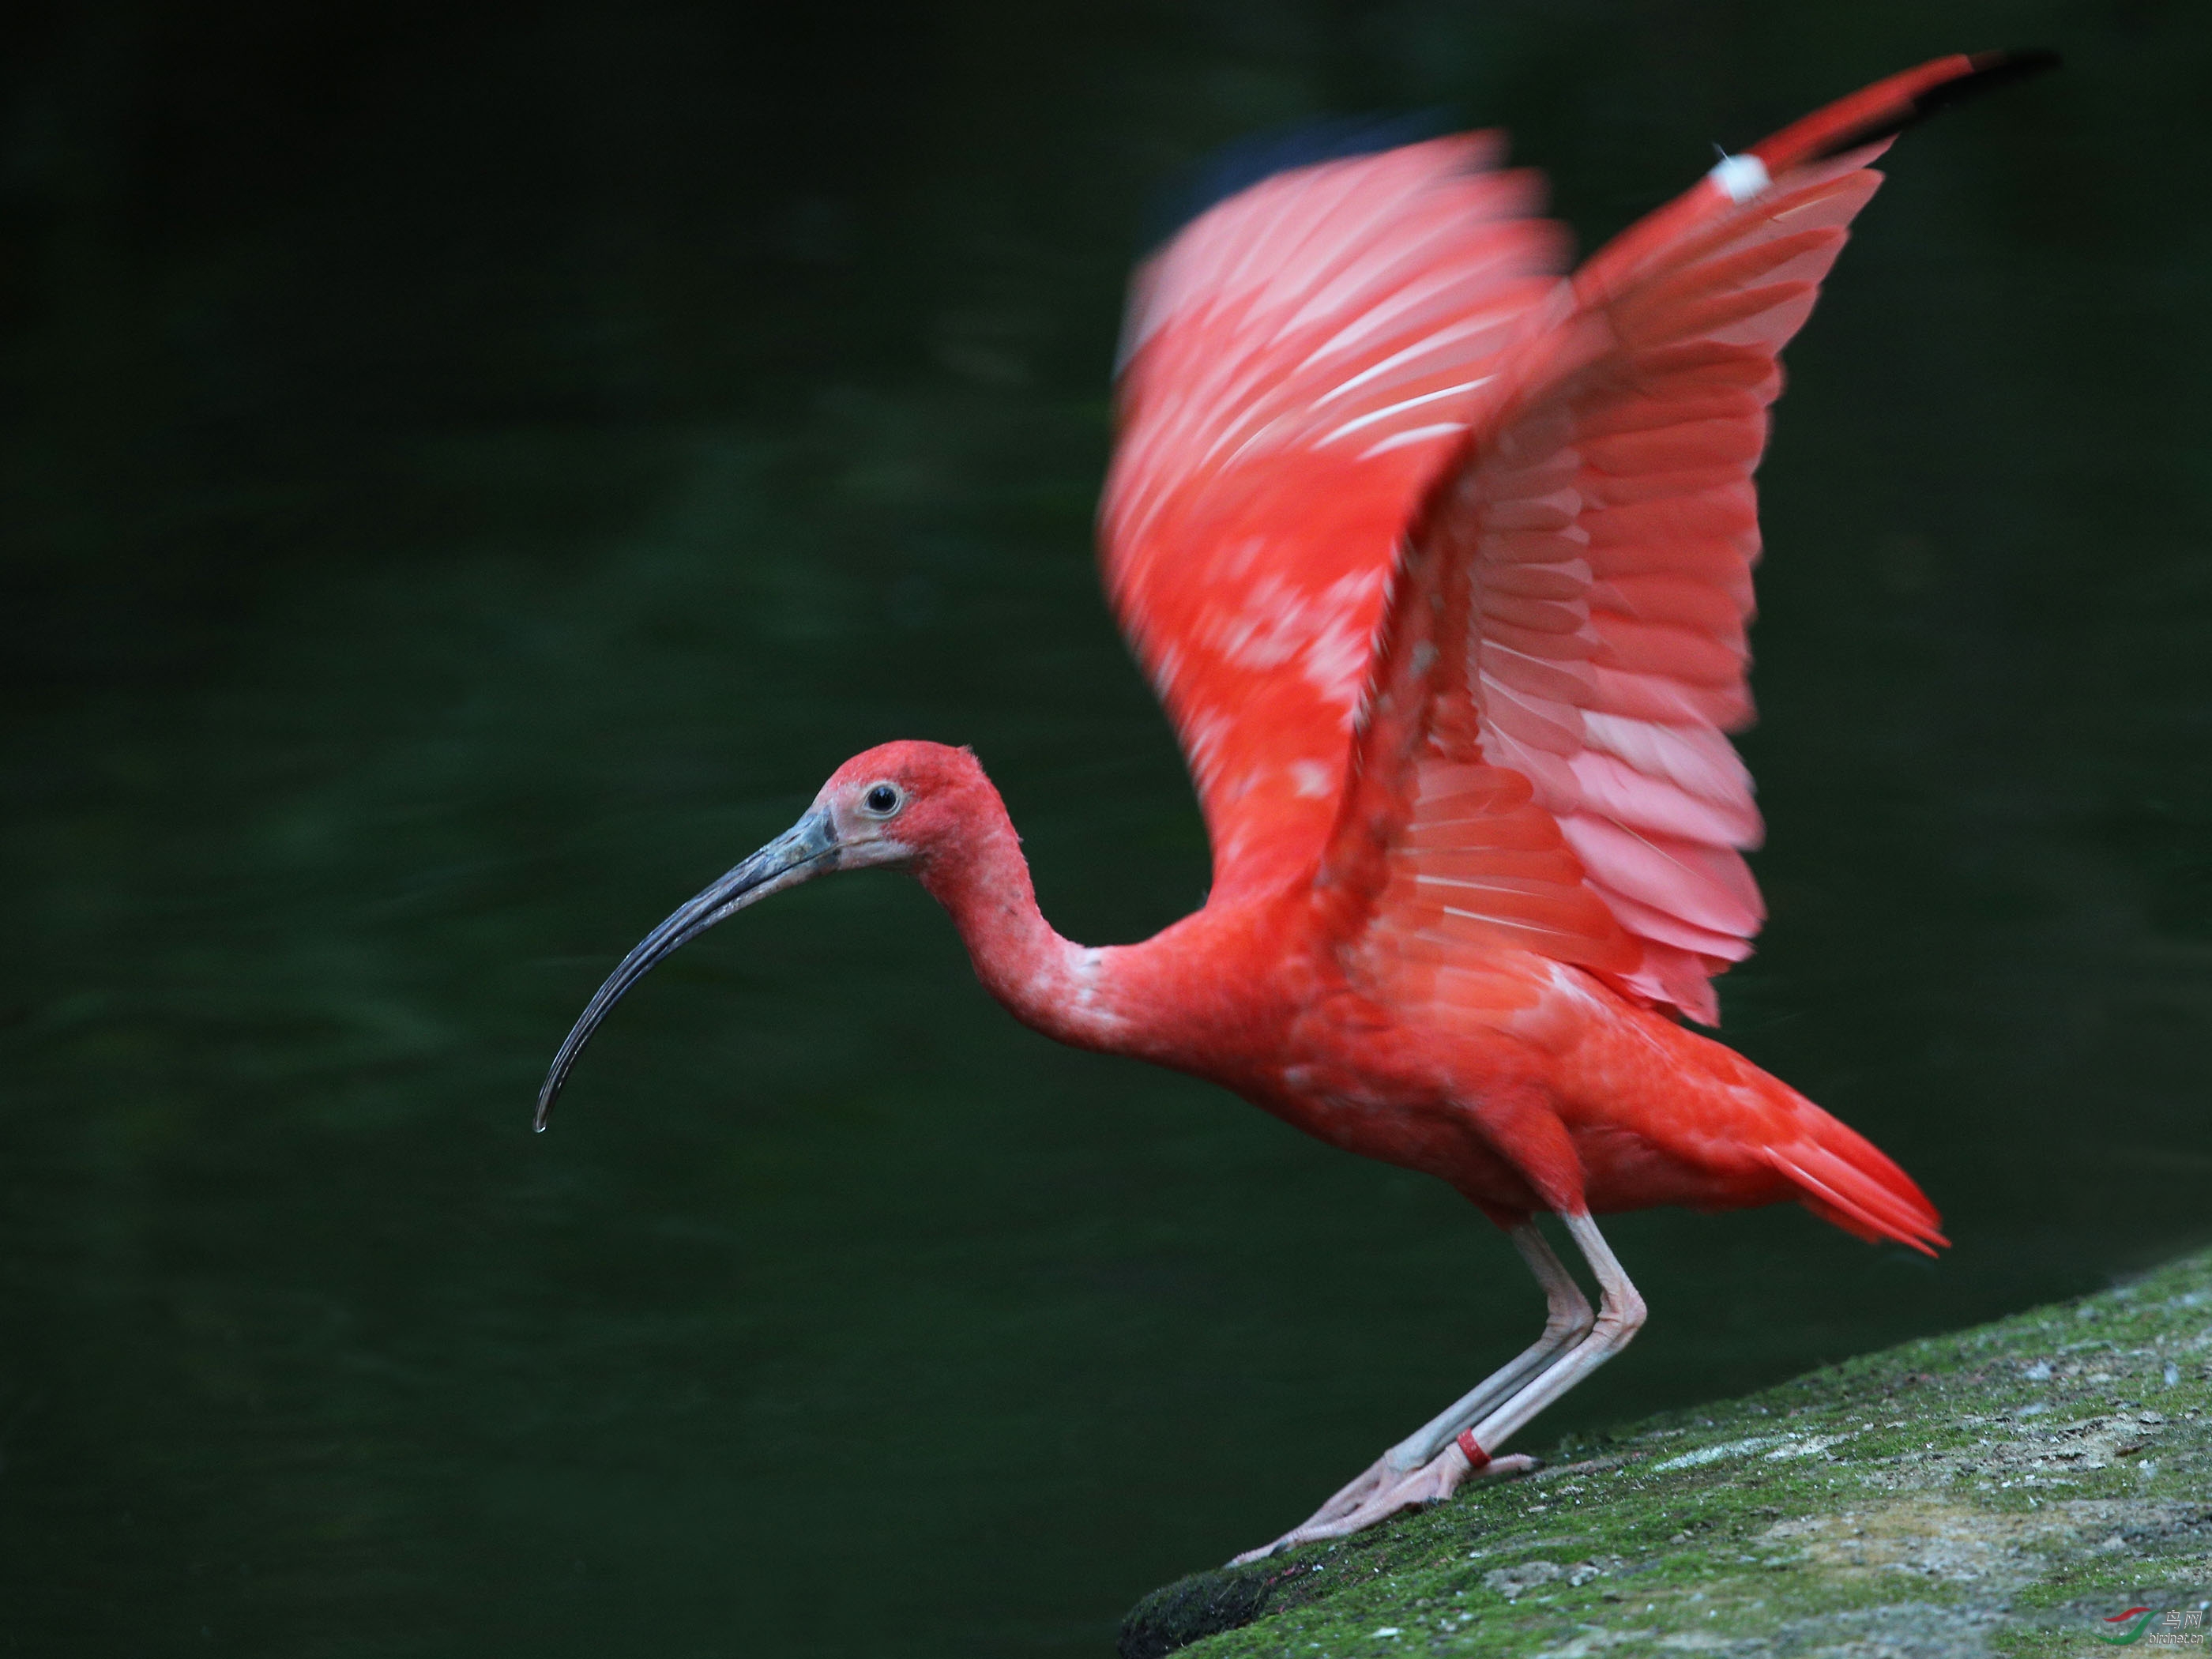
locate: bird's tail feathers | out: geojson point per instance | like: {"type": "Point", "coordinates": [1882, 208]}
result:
{"type": "Point", "coordinates": [1843, 1178]}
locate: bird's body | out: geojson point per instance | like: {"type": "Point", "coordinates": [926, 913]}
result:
{"type": "Point", "coordinates": [1606, 1105]}
{"type": "Point", "coordinates": [1441, 563]}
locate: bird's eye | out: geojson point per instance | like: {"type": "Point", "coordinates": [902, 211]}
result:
{"type": "Point", "coordinates": [883, 800]}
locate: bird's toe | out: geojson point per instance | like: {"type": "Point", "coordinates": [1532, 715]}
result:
{"type": "Point", "coordinates": [1357, 1492]}
{"type": "Point", "coordinates": [1383, 1492]}
{"type": "Point", "coordinates": [1508, 1467]}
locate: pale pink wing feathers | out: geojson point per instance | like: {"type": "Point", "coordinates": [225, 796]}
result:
{"type": "Point", "coordinates": [1543, 764]}
{"type": "Point", "coordinates": [1298, 363]}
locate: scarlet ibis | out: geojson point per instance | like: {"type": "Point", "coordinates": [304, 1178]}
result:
{"type": "Point", "coordinates": [1441, 563]}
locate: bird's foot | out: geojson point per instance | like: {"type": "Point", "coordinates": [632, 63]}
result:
{"type": "Point", "coordinates": [1378, 1475]}
{"type": "Point", "coordinates": [1383, 1491]}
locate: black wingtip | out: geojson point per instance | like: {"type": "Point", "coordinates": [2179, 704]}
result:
{"type": "Point", "coordinates": [1992, 71]}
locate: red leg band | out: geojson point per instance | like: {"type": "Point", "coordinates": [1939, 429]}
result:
{"type": "Point", "coordinates": [1471, 1448]}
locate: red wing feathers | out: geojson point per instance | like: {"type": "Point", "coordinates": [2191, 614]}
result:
{"type": "Point", "coordinates": [1441, 567]}
{"type": "Point", "coordinates": [1572, 609]}
{"type": "Point", "coordinates": [1298, 363]}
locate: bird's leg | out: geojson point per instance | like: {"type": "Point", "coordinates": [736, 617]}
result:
{"type": "Point", "coordinates": [1567, 1319]}
{"type": "Point", "coordinates": [1620, 1317]}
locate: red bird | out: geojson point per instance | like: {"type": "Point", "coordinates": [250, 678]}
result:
{"type": "Point", "coordinates": [1441, 563]}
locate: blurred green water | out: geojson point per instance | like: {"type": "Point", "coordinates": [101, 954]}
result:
{"type": "Point", "coordinates": [475, 472]}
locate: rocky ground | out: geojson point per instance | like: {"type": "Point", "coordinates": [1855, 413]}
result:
{"type": "Point", "coordinates": [2006, 1489]}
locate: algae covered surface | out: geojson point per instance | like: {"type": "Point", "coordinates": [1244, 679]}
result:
{"type": "Point", "coordinates": [2040, 1485]}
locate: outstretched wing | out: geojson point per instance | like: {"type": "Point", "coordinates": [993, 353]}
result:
{"type": "Point", "coordinates": [1296, 365]}
{"type": "Point", "coordinates": [1543, 762]}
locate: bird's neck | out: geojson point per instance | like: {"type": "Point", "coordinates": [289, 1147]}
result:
{"type": "Point", "coordinates": [1046, 981]}
{"type": "Point", "coordinates": [1130, 999]}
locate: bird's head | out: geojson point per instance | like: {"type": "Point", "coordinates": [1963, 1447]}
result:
{"type": "Point", "coordinates": [902, 804]}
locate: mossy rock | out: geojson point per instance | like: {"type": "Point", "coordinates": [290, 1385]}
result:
{"type": "Point", "coordinates": [2006, 1489]}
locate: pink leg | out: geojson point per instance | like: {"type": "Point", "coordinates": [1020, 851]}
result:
{"type": "Point", "coordinates": [1501, 1406]}
{"type": "Point", "coordinates": [1567, 1320]}
{"type": "Point", "coordinates": [1620, 1315]}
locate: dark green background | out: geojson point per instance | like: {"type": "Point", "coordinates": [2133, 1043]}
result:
{"type": "Point", "coordinates": [470, 471]}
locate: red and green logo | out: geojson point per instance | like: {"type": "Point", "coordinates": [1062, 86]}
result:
{"type": "Point", "coordinates": [2143, 1616]}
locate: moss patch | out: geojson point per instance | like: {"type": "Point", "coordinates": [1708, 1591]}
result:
{"type": "Point", "coordinates": [2001, 1490]}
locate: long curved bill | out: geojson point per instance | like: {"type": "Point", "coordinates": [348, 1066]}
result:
{"type": "Point", "coordinates": [806, 849]}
